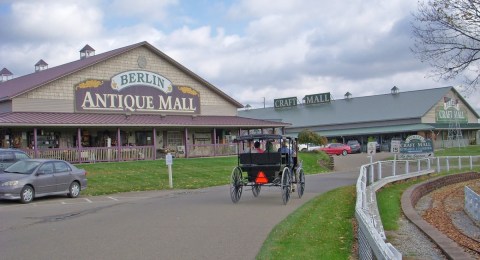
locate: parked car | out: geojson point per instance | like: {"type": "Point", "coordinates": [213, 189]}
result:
{"type": "Point", "coordinates": [308, 147]}
{"type": "Point", "coordinates": [355, 146]}
{"type": "Point", "coordinates": [33, 178]}
{"type": "Point", "coordinates": [10, 156]}
{"type": "Point", "coordinates": [336, 148]}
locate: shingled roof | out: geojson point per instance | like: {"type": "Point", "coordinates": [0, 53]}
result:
{"type": "Point", "coordinates": [43, 119]}
{"type": "Point", "coordinates": [20, 85]}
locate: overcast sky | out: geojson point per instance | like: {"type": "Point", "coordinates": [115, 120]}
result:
{"type": "Point", "coordinates": [250, 49]}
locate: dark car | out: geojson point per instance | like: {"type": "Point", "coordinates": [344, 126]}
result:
{"type": "Point", "coordinates": [355, 146]}
{"type": "Point", "coordinates": [33, 178]}
{"type": "Point", "coordinates": [11, 156]}
{"type": "Point", "coordinates": [336, 148]}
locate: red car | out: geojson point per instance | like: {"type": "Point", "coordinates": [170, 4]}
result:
{"type": "Point", "coordinates": [336, 148]}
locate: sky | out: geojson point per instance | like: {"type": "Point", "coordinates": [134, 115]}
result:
{"type": "Point", "coordinates": [253, 50]}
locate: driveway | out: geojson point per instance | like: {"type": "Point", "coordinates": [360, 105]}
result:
{"type": "Point", "coordinates": [199, 224]}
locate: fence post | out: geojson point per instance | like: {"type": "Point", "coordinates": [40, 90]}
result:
{"type": "Point", "coordinates": [448, 164]}
{"type": "Point", "coordinates": [459, 163]}
{"type": "Point", "coordinates": [394, 164]}
{"type": "Point", "coordinates": [379, 170]}
{"type": "Point", "coordinates": [418, 165]}
{"type": "Point", "coordinates": [438, 164]}
{"type": "Point", "coordinates": [406, 166]}
{"type": "Point", "coordinates": [471, 163]}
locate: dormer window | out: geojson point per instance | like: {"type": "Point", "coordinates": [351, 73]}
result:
{"type": "Point", "coordinates": [86, 52]}
{"type": "Point", "coordinates": [41, 65]}
{"type": "Point", "coordinates": [394, 90]}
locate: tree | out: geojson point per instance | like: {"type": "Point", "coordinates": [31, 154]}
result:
{"type": "Point", "coordinates": [447, 36]}
{"type": "Point", "coordinates": [306, 136]}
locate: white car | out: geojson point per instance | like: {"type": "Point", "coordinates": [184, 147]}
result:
{"type": "Point", "coordinates": [308, 147]}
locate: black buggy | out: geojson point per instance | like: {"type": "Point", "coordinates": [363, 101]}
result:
{"type": "Point", "coordinates": [277, 165]}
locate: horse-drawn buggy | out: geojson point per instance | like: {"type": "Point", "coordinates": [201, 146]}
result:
{"type": "Point", "coordinates": [267, 160]}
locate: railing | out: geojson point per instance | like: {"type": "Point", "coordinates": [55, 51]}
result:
{"type": "Point", "coordinates": [95, 154]}
{"type": "Point", "coordinates": [209, 150]}
{"type": "Point", "coordinates": [371, 236]}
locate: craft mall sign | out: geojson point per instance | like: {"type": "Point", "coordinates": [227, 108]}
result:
{"type": "Point", "coordinates": [451, 112]}
{"type": "Point", "coordinates": [416, 146]}
{"type": "Point", "coordinates": [136, 92]}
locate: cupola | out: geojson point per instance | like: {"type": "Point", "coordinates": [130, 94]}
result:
{"type": "Point", "coordinates": [41, 65]}
{"type": "Point", "coordinates": [86, 52]}
{"type": "Point", "coordinates": [394, 90]}
{"type": "Point", "coordinates": [5, 75]}
{"type": "Point", "coordinates": [348, 95]}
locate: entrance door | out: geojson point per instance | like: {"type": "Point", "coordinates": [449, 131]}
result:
{"type": "Point", "coordinates": [143, 138]}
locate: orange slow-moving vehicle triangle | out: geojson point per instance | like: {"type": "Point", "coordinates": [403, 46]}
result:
{"type": "Point", "coordinates": [261, 178]}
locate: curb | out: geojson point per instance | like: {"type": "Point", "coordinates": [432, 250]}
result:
{"type": "Point", "coordinates": [410, 198]}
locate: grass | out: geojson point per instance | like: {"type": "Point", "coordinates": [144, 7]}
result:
{"type": "Point", "coordinates": [194, 173]}
{"type": "Point", "coordinates": [456, 151]}
{"type": "Point", "coordinates": [388, 198]}
{"type": "Point", "coordinates": [320, 229]}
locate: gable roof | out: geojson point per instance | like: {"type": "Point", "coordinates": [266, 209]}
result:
{"type": "Point", "coordinates": [377, 108]}
{"type": "Point", "coordinates": [5, 72]}
{"type": "Point", "coordinates": [20, 85]}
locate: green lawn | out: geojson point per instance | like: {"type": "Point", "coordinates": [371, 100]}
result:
{"type": "Point", "coordinates": [107, 178]}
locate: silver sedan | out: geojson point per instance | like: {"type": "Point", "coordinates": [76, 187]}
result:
{"type": "Point", "coordinates": [33, 178]}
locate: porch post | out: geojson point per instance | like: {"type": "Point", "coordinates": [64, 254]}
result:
{"type": "Point", "coordinates": [35, 145]}
{"type": "Point", "coordinates": [154, 143]}
{"type": "Point", "coordinates": [79, 144]}
{"type": "Point", "coordinates": [214, 141]}
{"type": "Point", "coordinates": [186, 142]}
{"type": "Point", "coordinates": [119, 148]}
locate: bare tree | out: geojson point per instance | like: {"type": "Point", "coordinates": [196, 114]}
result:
{"type": "Point", "coordinates": [447, 36]}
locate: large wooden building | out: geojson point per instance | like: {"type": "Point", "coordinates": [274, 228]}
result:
{"type": "Point", "coordinates": [133, 102]}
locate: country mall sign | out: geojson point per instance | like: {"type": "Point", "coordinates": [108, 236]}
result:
{"type": "Point", "coordinates": [450, 112]}
{"type": "Point", "coordinates": [136, 92]}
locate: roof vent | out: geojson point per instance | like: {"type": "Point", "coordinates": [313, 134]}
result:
{"type": "Point", "coordinates": [41, 65]}
{"type": "Point", "coordinates": [348, 95]}
{"type": "Point", "coordinates": [5, 75]}
{"type": "Point", "coordinates": [86, 52]}
{"type": "Point", "coordinates": [394, 90]}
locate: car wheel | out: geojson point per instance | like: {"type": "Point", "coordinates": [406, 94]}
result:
{"type": "Point", "coordinates": [74, 190]}
{"type": "Point", "coordinates": [27, 194]}
{"type": "Point", "coordinates": [344, 153]}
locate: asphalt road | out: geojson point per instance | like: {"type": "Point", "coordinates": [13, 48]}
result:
{"type": "Point", "coordinates": [199, 224]}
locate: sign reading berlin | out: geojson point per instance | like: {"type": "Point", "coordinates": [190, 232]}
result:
{"type": "Point", "coordinates": [136, 91]}
{"type": "Point", "coordinates": [317, 98]}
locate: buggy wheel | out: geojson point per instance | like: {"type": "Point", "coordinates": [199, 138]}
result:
{"type": "Point", "coordinates": [256, 190]}
{"type": "Point", "coordinates": [236, 184]}
{"type": "Point", "coordinates": [300, 182]}
{"type": "Point", "coordinates": [286, 185]}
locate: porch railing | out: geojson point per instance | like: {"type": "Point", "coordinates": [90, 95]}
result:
{"type": "Point", "coordinates": [95, 154]}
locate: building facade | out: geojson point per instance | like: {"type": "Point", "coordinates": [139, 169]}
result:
{"type": "Point", "coordinates": [439, 114]}
{"type": "Point", "coordinates": [130, 103]}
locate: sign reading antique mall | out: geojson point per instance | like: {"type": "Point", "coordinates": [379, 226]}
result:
{"type": "Point", "coordinates": [136, 92]}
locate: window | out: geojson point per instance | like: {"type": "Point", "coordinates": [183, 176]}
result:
{"type": "Point", "coordinates": [6, 156]}
{"type": "Point", "coordinates": [61, 167]}
{"type": "Point", "coordinates": [174, 139]}
{"type": "Point", "coordinates": [46, 168]}
{"type": "Point", "coordinates": [21, 156]}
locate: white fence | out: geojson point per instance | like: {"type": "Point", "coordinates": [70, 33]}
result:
{"type": "Point", "coordinates": [371, 236]}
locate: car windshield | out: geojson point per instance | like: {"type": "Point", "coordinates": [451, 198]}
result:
{"type": "Point", "coordinates": [23, 167]}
